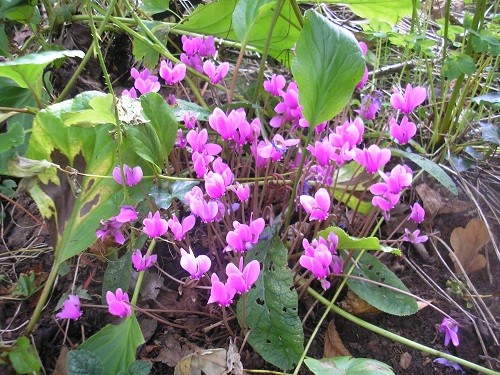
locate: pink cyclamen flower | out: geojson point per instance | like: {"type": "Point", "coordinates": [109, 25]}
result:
{"type": "Point", "coordinates": [71, 308]}
{"type": "Point", "coordinates": [450, 328]}
{"type": "Point", "coordinates": [242, 279]}
{"type": "Point", "coordinates": [455, 366]}
{"type": "Point", "coordinates": [417, 213]}
{"type": "Point", "coordinates": [196, 266]}
{"type": "Point", "coordinates": [243, 237]}
{"type": "Point", "coordinates": [132, 175]}
{"type": "Point", "coordinates": [154, 225]}
{"type": "Point", "coordinates": [144, 81]}
{"type": "Point", "coordinates": [118, 303]}
{"type": "Point", "coordinates": [221, 293]}
{"type": "Point", "coordinates": [372, 158]}
{"type": "Point", "coordinates": [412, 98]}
{"type": "Point", "coordinates": [216, 74]}
{"type": "Point", "coordinates": [172, 74]}
{"type": "Point", "coordinates": [402, 132]}
{"type": "Point", "coordinates": [414, 237]}
{"type": "Point", "coordinates": [178, 229]}
{"type": "Point", "coordinates": [317, 258]}
{"type": "Point", "coordinates": [127, 214]}
{"type": "Point", "coordinates": [142, 262]}
{"type": "Point", "coordinates": [275, 85]}
{"type": "Point", "coordinates": [241, 191]}
{"type": "Point", "coordinates": [111, 228]}
{"type": "Point", "coordinates": [369, 106]}
{"type": "Point", "coordinates": [318, 206]}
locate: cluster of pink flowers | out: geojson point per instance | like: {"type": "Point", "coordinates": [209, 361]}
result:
{"type": "Point", "coordinates": [417, 215]}
{"type": "Point", "coordinates": [289, 111]}
{"type": "Point", "coordinates": [132, 175]}
{"type": "Point", "coordinates": [144, 82]}
{"type": "Point", "coordinates": [321, 259]}
{"type": "Point", "coordinates": [316, 207]}
{"type": "Point", "coordinates": [243, 237]}
{"type": "Point", "coordinates": [272, 151]}
{"type": "Point", "coordinates": [234, 127]}
{"type": "Point", "coordinates": [113, 227]}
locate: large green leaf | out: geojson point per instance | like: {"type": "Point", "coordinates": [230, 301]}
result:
{"type": "Point", "coordinates": [347, 242]}
{"type": "Point", "coordinates": [389, 11]}
{"type": "Point", "coordinates": [216, 18]}
{"type": "Point", "coordinates": [83, 362]}
{"type": "Point", "coordinates": [27, 71]}
{"type": "Point", "coordinates": [347, 366]}
{"type": "Point", "coordinates": [269, 309]}
{"type": "Point", "coordinates": [143, 51]}
{"type": "Point", "coordinates": [384, 299]}
{"type": "Point", "coordinates": [116, 345]}
{"type": "Point", "coordinates": [430, 167]}
{"type": "Point", "coordinates": [13, 137]}
{"type": "Point", "coordinates": [327, 67]}
{"type": "Point", "coordinates": [245, 15]}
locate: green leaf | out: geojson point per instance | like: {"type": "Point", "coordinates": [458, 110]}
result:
{"type": "Point", "coordinates": [139, 368]}
{"type": "Point", "coordinates": [14, 96]}
{"type": "Point", "coordinates": [269, 309]}
{"type": "Point", "coordinates": [162, 119]}
{"type": "Point", "coordinates": [7, 188]}
{"type": "Point", "coordinates": [143, 51]}
{"type": "Point", "coordinates": [164, 194]}
{"type": "Point", "coordinates": [102, 111]}
{"type": "Point", "coordinates": [245, 15]}
{"type": "Point", "coordinates": [327, 67]}
{"type": "Point", "coordinates": [27, 71]}
{"type": "Point", "coordinates": [456, 64]}
{"type": "Point", "coordinates": [84, 362]}
{"type": "Point", "coordinates": [347, 242]}
{"type": "Point", "coordinates": [23, 357]}
{"type": "Point", "coordinates": [26, 286]}
{"type": "Point", "coordinates": [353, 202]}
{"type": "Point", "coordinates": [384, 299]}
{"type": "Point", "coordinates": [118, 274]}
{"type": "Point", "coordinates": [489, 98]}
{"type": "Point", "coordinates": [116, 345]}
{"type": "Point", "coordinates": [490, 133]}
{"type": "Point", "coordinates": [347, 366]}
{"type": "Point", "coordinates": [151, 7]}
{"type": "Point", "coordinates": [182, 107]}
{"type": "Point", "coordinates": [430, 167]}
{"type": "Point", "coordinates": [13, 137]}
{"type": "Point", "coordinates": [388, 11]}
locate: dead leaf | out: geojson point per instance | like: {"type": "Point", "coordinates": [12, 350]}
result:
{"type": "Point", "coordinates": [61, 366]}
{"type": "Point", "coordinates": [357, 306]}
{"type": "Point", "coordinates": [440, 202]}
{"type": "Point", "coordinates": [172, 352]}
{"type": "Point", "coordinates": [405, 360]}
{"type": "Point", "coordinates": [334, 347]}
{"type": "Point", "coordinates": [467, 242]}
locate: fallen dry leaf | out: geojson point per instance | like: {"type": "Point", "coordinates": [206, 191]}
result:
{"type": "Point", "coordinates": [405, 360]}
{"type": "Point", "coordinates": [440, 202]}
{"type": "Point", "coordinates": [467, 242]}
{"type": "Point", "coordinates": [357, 306]}
{"type": "Point", "coordinates": [172, 351]}
{"type": "Point", "coordinates": [334, 347]}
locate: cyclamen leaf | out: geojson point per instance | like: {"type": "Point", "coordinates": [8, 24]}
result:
{"type": "Point", "coordinates": [270, 308]}
{"type": "Point", "coordinates": [347, 242]}
{"type": "Point", "coordinates": [327, 67]}
{"type": "Point", "coordinates": [12, 138]}
{"type": "Point", "coordinates": [84, 362]}
{"type": "Point", "coordinates": [23, 357]}
{"type": "Point", "coordinates": [118, 274]}
{"type": "Point", "coordinates": [245, 15]}
{"type": "Point", "coordinates": [347, 366]}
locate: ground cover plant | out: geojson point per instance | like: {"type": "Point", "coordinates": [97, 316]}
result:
{"type": "Point", "coordinates": [249, 187]}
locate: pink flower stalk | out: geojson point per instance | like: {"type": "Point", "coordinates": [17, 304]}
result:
{"type": "Point", "coordinates": [178, 229]}
{"type": "Point", "coordinates": [364, 50]}
{"type": "Point", "coordinates": [244, 237]}
{"type": "Point", "coordinates": [70, 309]}
{"type": "Point", "coordinates": [118, 303]}
{"type": "Point", "coordinates": [408, 101]}
{"type": "Point", "coordinates": [180, 142]}
{"type": "Point", "coordinates": [414, 237]}
{"type": "Point", "coordinates": [196, 266]}
{"type": "Point", "coordinates": [450, 328]}
{"type": "Point", "coordinates": [221, 293]}
{"type": "Point", "coordinates": [172, 74]}
{"type": "Point", "coordinates": [318, 206]}
{"type": "Point", "coordinates": [370, 104]}
{"type": "Point", "coordinates": [242, 279]}
{"type": "Point", "coordinates": [275, 85]}
{"type": "Point", "coordinates": [111, 228]}
{"type": "Point", "coordinates": [372, 158]}
{"type": "Point", "coordinates": [216, 74]}
{"type": "Point", "coordinates": [144, 81]}
{"type": "Point", "coordinates": [241, 191]}
{"type": "Point", "coordinates": [142, 262]}
{"type": "Point", "coordinates": [154, 225]}
{"type": "Point", "coordinates": [402, 132]}
{"type": "Point", "coordinates": [132, 175]}
{"type": "Point", "coordinates": [317, 259]}
{"type": "Point", "coordinates": [289, 110]}
{"type": "Point", "coordinates": [127, 214]}
{"type": "Point", "coordinates": [417, 213]}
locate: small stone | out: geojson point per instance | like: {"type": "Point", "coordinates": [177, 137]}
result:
{"type": "Point", "coordinates": [405, 360]}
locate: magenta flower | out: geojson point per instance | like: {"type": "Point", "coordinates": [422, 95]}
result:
{"type": "Point", "coordinates": [132, 175]}
{"type": "Point", "coordinates": [399, 178]}
{"type": "Point", "coordinates": [154, 225]}
{"type": "Point", "coordinates": [221, 293]}
{"type": "Point", "coordinates": [383, 198]}
{"type": "Point", "coordinates": [364, 50]}
{"type": "Point", "coordinates": [216, 74]}
{"type": "Point", "coordinates": [215, 185]}
{"type": "Point", "coordinates": [317, 258]}
{"type": "Point", "coordinates": [118, 303]}
{"type": "Point", "coordinates": [417, 213]}
{"type": "Point", "coordinates": [288, 110]}
{"type": "Point", "coordinates": [241, 191]}
{"type": "Point", "coordinates": [412, 98]}
{"type": "Point", "coordinates": [402, 132]}
{"type": "Point", "coordinates": [414, 237]}
{"type": "Point", "coordinates": [144, 81]}
{"type": "Point", "coordinates": [130, 93]}
{"type": "Point", "coordinates": [223, 124]}
{"type": "Point", "coordinates": [70, 309]}
{"type": "Point", "coordinates": [372, 158]}
{"type": "Point", "coordinates": [127, 214]}
{"type": "Point", "coordinates": [277, 147]}
{"type": "Point", "coordinates": [141, 262]}
{"type": "Point", "coordinates": [242, 279]}
{"type": "Point", "coordinates": [189, 119]}
{"type": "Point", "coordinates": [172, 74]}
{"type": "Point", "coordinates": [178, 229]}
{"type": "Point", "coordinates": [455, 366]}
{"type": "Point", "coordinates": [195, 49]}
{"type": "Point", "coordinates": [196, 266]}
{"type": "Point", "coordinates": [243, 237]}
{"type": "Point", "coordinates": [275, 85]}
{"type": "Point", "coordinates": [369, 106]}
{"type": "Point", "coordinates": [450, 328]}
{"type": "Point", "coordinates": [318, 206]}
{"type": "Point", "coordinates": [111, 228]}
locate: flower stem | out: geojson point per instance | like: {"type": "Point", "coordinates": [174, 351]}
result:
{"type": "Point", "coordinates": [141, 275]}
